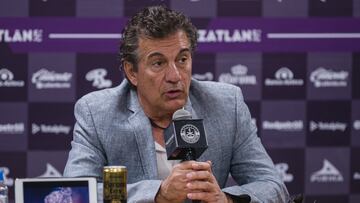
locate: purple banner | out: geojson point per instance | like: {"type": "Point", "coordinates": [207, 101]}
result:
{"type": "Point", "coordinates": [222, 34]}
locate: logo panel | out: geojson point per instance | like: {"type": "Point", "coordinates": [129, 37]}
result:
{"type": "Point", "coordinates": [97, 71]}
{"type": "Point", "coordinates": [355, 123]}
{"type": "Point", "coordinates": [328, 123]}
{"type": "Point", "coordinates": [254, 108]}
{"type": "Point", "coordinates": [329, 76]}
{"type": "Point", "coordinates": [356, 9]}
{"type": "Point", "coordinates": [46, 164]}
{"type": "Point", "coordinates": [13, 124]}
{"type": "Point", "coordinates": [284, 76]}
{"type": "Point", "coordinates": [52, 77]}
{"type": "Point", "coordinates": [132, 7]}
{"type": "Point", "coordinates": [283, 124]}
{"type": "Point", "coordinates": [14, 8]}
{"type": "Point", "coordinates": [14, 166]}
{"type": "Point", "coordinates": [196, 8]}
{"type": "Point", "coordinates": [327, 171]}
{"type": "Point", "coordinates": [50, 126]}
{"type": "Point", "coordinates": [203, 67]}
{"type": "Point", "coordinates": [243, 8]}
{"type": "Point", "coordinates": [285, 8]}
{"type": "Point", "coordinates": [354, 198]}
{"type": "Point", "coordinates": [356, 75]}
{"type": "Point", "coordinates": [291, 166]}
{"type": "Point", "coordinates": [243, 70]}
{"type": "Point", "coordinates": [330, 8]}
{"type": "Point", "coordinates": [52, 8]}
{"type": "Point", "coordinates": [355, 171]}
{"type": "Point", "coordinates": [94, 8]}
{"type": "Point", "coordinates": [13, 77]}
{"type": "Point", "coordinates": [326, 198]}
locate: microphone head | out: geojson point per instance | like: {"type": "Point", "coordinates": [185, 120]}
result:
{"type": "Point", "coordinates": [181, 114]}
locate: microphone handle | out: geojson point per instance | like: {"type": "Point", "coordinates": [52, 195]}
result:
{"type": "Point", "coordinates": [190, 156]}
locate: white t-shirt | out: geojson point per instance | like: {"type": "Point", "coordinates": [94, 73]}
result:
{"type": "Point", "coordinates": [164, 166]}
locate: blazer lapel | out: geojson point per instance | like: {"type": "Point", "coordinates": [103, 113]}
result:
{"type": "Point", "coordinates": [143, 134]}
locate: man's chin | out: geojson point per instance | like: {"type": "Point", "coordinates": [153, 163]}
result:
{"type": "Point", "coordinates": [174, 105]}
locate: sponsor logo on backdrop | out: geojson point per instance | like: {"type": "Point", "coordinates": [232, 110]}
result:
{"type": "Point", "coordinates": [322, 77]}
{"type": "Point", "coordinates": [7, 180]}
{"type": "Point", "coordinates": [12, 128]}
{"type": "Point", "coordinates": [356, 176]}
{"type": "Point", "coordinates": [21, 35]}
{"type": "Point", "coordinates": [7, 79]}
{"type": "Point", "coordinates": [50, 129]}
{"type": "Point", "coordinates": [206, 76]}
{"type": "Point", "coordinates": [284, 77]}
{"type": "Point", "coordinates": [238, 76]}
{"type": "Point", "coordinates": [51, 172]}
{"type": "Point", "coordinates": [229, 36]}
{"type": "Point", "coordinates": [97, 77]}
{"type": "Point", "coordinates": [328, 173]}
{"type": "Point", "coordinates": [327, 126]}
{"type": "Point", "coordinates": [45, 79]}
{"type": "Point", "coordinates": [296, 125]}
{"type": "Point", "coordinates": [356, 125]}
{"type": "Point", "coordinates": [282, 169]}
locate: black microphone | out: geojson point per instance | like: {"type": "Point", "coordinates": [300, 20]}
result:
{"type": "Point", "coordinates": [185, 138]}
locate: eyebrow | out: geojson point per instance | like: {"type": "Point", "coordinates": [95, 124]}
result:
{"type": "Point", "coordinates": [160, 54]}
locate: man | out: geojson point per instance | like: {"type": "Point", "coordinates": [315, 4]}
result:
{"type": "Point", "coordinates": [125, 125]}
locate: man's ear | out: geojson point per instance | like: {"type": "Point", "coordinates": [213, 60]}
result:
{"type": "Point", "coordinates": [130, 72]}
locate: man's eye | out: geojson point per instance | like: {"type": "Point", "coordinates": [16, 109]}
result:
{"type": "Point", "coordinates": [183, 59]}
{"type": "Point", "coordinates": [157, 63]}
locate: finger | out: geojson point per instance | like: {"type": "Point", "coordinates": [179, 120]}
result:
{"type": "Point", "coordinates": [211, 165]}
{"type": "Point", "coordinates": [201, 166]}
{"type": "Point", "coordinates": [201, 186]}
{"type": "Point", "coordinates": [199, 175]}
{"type": "Point", "coordinates": [185, 165]}
{"type": "Point", "coordinates": [203, 196]}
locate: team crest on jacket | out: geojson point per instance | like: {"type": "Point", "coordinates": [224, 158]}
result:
{"type": "Point", "coordinates": [190, 133]}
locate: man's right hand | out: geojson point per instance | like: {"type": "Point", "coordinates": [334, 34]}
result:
{"type": "Point", "coordinates": [173, 188]}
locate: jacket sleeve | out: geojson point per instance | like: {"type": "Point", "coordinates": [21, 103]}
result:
{"type": "Point", "coordinates": [87, 158]}
{"type": "Point", "coordinates": [251, 167]}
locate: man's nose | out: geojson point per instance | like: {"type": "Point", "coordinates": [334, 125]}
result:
{"type": "Point", "coordinates": [172, 74]}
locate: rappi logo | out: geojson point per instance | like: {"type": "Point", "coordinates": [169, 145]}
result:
{"type": "Point", "coordinates": [21, 35]}
{"type": "Point", "coordinates": [97, 76]}
{"type": "Point", "coordinates": [282, 169]}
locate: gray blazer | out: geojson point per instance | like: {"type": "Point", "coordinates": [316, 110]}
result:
{"type": "Point", "coordinates": [112, 129]}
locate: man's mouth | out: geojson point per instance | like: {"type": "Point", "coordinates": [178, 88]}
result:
{"type": "Point", "coordinates": [172, 94]}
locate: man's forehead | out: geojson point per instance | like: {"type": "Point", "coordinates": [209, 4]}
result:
{"type": "Point", "coordinates": [172, 44]}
